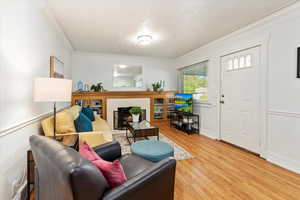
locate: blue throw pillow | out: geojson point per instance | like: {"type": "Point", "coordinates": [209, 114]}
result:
{"type": "Point", "coordinates": [83, 123]}
{"type": "Point", "coordinates": [88, 111]}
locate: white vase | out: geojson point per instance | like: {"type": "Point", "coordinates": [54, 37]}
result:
{"type": "Point", "coordinates": [136, 118]}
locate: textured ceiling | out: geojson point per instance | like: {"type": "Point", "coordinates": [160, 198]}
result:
{"type": "Point", "coordinates": [178, 26]}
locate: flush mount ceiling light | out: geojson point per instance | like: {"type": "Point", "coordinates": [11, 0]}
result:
{"type": "Point", "coordinates": [144, 40]}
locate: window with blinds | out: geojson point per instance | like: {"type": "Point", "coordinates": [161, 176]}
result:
{"type": "Point", "coordinates": [194, 80]}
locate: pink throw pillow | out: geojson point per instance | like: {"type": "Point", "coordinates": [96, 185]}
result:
{"type": "Point", "coordinates": [112, 171]}
{"type": "Point", "coordinates": [88, 153]}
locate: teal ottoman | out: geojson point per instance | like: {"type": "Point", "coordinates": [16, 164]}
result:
{"type": "Point", "coordinates": [152, 150]}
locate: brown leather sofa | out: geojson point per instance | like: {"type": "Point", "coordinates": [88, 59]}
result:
{"type": "Point", "coordinates": [62, 174]}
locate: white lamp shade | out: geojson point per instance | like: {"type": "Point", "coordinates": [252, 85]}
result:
{"type": "Point", "coordinates": [52, 90]}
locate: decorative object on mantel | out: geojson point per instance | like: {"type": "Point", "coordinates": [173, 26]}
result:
{"type": "Point", "coordinates": [79, 86]}
{"type": "Point", "coordinates": [56, 68]}
{"type": "Point", "coordinates": [135, 112]}
{"type": "Point", "coordinates": [298, 68]}
{"type": "Point", "coordinates": [97, 88]}
{"type": "Point", "coordinates": [179, 152]}
{"type": "Point", "coordinates": [82, 87]}
{"type": "Point", "coordinates": [86, 87]}
{"type": "Point", "coordinates": [158, 86]}
{"type": "Point", "coordinates": [52, 90]}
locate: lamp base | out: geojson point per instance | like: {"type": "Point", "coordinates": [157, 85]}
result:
{"type": "Point", "coordinates": [54, 121]}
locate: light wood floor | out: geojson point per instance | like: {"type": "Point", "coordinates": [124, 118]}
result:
{"type": "Point", "coordinates": [221, 171]}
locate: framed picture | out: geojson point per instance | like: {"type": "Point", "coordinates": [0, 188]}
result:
{"type": "Point", "coordinates": [56, 68]}
{"type": "Point", "coordinates": [298, 63]}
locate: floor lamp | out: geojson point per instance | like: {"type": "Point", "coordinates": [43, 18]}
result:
{"type": "Point", "coordinates": [52, 90]}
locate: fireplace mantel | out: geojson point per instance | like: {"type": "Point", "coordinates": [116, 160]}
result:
{"type": "Point", "coordinates": [160, 102]}
{"type": "Point", "coordinates": [125, 94]}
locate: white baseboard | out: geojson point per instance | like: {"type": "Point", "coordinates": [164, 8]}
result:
{"type": "Point", "coordinates": [281, 161]}
{"type": "Point", "coordinates": [207, 133]}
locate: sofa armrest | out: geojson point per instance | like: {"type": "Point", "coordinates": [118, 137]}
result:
{"type": "Point", "coordinates": [156, 183]}
{"type": "Point", "coordinates": [68, 139]}
{"type": "Point", "coordinates": [109, 151]}
{"type": "Point", "coordinates": [93, 138]}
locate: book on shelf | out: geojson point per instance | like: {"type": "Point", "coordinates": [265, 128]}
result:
{"type": "Point", "coordinates": [97, 106]}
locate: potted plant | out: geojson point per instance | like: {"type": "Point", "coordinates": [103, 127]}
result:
{"type": "Point", "coordinates": [135, 112]}
{"type": "Point", "coordinates": [156, 86]}
{"type": "Point", "coordinates": [97, 88]}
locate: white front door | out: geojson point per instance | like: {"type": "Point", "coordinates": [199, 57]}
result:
{"type": "Point", "coordinates": [240, 99]}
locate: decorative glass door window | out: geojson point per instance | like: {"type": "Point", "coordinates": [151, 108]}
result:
{"type": "Point", "coordinates": [239, 62]}
{"type": "Point", "coordinates": [248, 60]}
{"type": "Point", "coordinates": [230, 65]}
{"type": "Point", "coordinates": [236, 63]}
{"type": "Point", "coordinates": [242, 62]}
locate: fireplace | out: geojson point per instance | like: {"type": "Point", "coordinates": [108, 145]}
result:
{"type": "Point", "coordinates": [122, 116]}
{"type": "Point", "coordinates": [113, 105]}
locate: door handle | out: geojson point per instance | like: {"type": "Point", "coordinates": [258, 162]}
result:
{"type": "Point", "coordinates": [222, 102]}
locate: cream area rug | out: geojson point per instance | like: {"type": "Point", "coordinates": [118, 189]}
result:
{"type": "Point", "coordinates": [179, 152]}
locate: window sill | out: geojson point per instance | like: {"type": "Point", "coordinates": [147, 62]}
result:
{"type": "Point", "coordinates": [205, 104]}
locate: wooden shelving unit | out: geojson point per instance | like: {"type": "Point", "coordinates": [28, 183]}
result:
{"type": "Point", "coordinates": [161, 103]}
{"type": "Point", "coordinates": [186, 122]}
{"type": "Point", "coordinates": [97, 103]}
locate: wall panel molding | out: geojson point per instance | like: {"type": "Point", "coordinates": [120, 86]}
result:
{"type": "Point", "coordinates": [207, 105]}
{"type": "Point", "coordinates": [21, 125]}
{"type": "Point", "coordinates": [13, 128]}
{"type": "Point", "coordinates": [284, 113]}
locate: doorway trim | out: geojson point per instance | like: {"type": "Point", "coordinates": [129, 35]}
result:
{"type": "Point", "coordinates": [264, 66]}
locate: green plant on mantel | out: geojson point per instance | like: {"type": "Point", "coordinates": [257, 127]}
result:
{"type": "Point", "coordinates": [135, 110]}
{"type": "Point", "coordinates": [156, 86]}
{"type": "Point", "coordinates": [97, 88]}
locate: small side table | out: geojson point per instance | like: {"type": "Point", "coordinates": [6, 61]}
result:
{"type": "Point", "coordinates": [30, 173]}
{"type": "Point", "coordinates": [141, 129]}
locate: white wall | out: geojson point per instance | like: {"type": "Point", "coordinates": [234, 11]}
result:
{"type": "Point", "coordinates": [279, 38]}
{"type": "Point", "coordinates": [29, 35]}
{"type": "Point", "coordinates": [93, 68]}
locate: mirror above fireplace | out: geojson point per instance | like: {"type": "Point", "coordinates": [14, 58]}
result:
{"type": "Point", "coordinates": [125, 76]}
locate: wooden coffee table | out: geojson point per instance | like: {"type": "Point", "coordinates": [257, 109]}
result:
{"type": "Point", "coordinates": [141, 129]}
